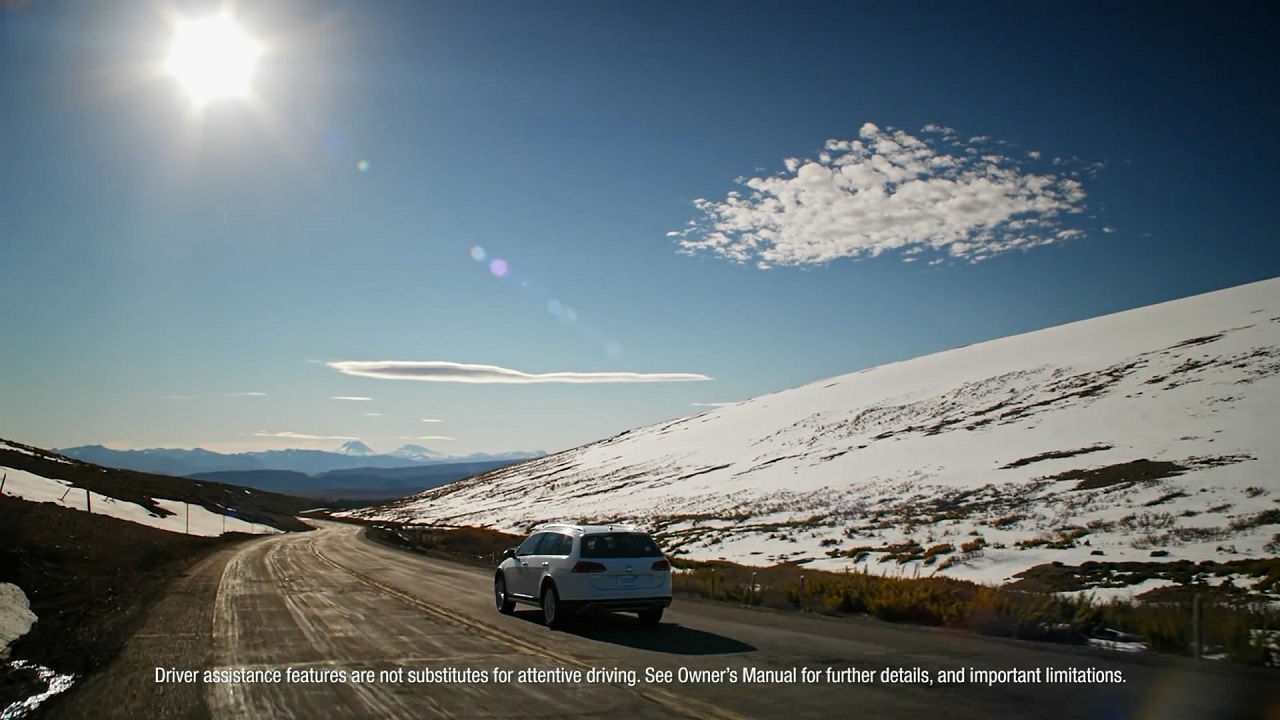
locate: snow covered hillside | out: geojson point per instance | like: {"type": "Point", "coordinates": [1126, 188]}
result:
{"type": "Point", "coordinates": [174, 515]}
{"type": "Point", "coordinates": [1148, 435]}
{"type": "Point", "coordinates": [51, 478]}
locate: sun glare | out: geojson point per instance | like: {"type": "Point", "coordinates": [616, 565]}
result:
{"type": "Point", "coordinates": [212, 58]}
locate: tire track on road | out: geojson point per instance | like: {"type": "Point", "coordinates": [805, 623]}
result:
{"type": "Point", "coordinates": [681, 705]}
{"type": "Point", "coordinates": [377, 698]}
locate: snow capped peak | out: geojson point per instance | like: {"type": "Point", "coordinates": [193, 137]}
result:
{"type": "Point", "coordinates": [355, 448]}
{"type": "Point", "coordinates": [417, 452]}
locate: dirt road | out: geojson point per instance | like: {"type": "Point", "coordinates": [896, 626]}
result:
{"type": "Point", "coordinates": [324, 609]}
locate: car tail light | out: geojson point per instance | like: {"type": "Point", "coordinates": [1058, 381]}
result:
{"type": "Point", "coordinates": [661, 565]}
{"type": "Point", "coordinates": [583, 566]}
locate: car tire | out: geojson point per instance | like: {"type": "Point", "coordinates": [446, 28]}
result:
{"type": "Point", "coordinates": [650, 617]}
{"type": "Point", "coordinates": [501, 599]}
{"type": "Point", "coordinates": [552, 614]}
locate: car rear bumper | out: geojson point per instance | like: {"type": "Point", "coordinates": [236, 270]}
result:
{"type": "Point", "coordinates": [617, 604]}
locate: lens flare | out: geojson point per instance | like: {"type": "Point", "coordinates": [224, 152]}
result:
{"type": "Point", "coordinates": [363, 166]}
{"type": "Point", "coordinates": [564, 315]}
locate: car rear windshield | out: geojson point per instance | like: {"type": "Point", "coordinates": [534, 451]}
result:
{"type": "Point", "coordinates": [619, 545]}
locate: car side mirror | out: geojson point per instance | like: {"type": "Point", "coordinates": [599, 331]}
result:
{"type": "Point", "coordinates": [508, 553]}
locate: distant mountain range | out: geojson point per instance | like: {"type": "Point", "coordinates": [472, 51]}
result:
{"type": "Point", "coordinates": [350, 455]}
{"type": "Point", "coordinates": [356, 484]}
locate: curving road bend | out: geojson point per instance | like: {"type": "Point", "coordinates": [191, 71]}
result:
{"type": "Point", "coordinates": [331, 601]}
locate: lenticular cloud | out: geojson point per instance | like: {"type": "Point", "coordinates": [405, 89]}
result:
{"type": "Point", "coordinates": [433, 371]}
{"type": "Point", "coordinates": [891, 191]}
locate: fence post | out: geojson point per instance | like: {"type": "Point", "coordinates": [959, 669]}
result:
{"type": "Point", "coordinates": [188, 517]}
{"type": "Point", "coordinates": [802, 593]}
{"type": "Point", "coordinates": [2, 479]}
{"type": "Point", "coordinates": [88, 501]}
{"type": "Point", "coordinates": [751, 590]}
{"type": "Point", "coordinates": [1264, 639]}
{"type": "Point", "coordinates": [1195, 625]}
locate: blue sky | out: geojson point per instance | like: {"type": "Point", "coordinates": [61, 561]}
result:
{"type": "Point", "coordinates": [1020, 166]}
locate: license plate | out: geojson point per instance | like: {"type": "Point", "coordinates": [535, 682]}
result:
{"type": "Point", "coordinates": [627, 581]}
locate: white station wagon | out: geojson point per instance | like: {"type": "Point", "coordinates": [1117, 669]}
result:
{"type": "Point", "coordinates": [570, 569]}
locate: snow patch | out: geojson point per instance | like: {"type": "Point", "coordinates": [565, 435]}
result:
{"type": "Point", "coordinates": [182, 517]}
{"type": "Point", "coordinates": [16, 618]}
{"type": "Point", "coordinates": [54, 684]}
{"type": "Point", "coordinates": [46, 456]}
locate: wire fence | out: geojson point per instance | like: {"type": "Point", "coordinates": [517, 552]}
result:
{"type": "Point", "coordinates": [1203, 626]}
{"type": "Point", "coordinates": [89, 500]}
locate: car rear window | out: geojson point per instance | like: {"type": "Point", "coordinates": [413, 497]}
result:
{"type": "Point", "coordinates": [619, 545]}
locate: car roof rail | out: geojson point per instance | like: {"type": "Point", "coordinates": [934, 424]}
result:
{"type": "Point", "coordinates": [625, 527]}
{"type": "Point", "coordinates": [582, 528]}
{"type": "Point", "coordinates": [543, 527]}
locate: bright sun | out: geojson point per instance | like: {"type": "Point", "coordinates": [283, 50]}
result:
{"type": "Point", "coordinates": [212, 58]}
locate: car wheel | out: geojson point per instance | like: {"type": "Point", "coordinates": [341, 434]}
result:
{"type": "Point", "coordinates": [551, 613]}
{"type": "Point", "coordinates": [504, 604]}
{"type": "Point", "coordinates": [650, 617]}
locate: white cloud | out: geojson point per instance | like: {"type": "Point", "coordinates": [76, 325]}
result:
{"type": "Point", "coordinates": [1108, 230]}
{"type": "Point", "coordinates": [434, 371]}
{"type": "Point", "coordinates": [718, 404]}
{"type": "Point", "coordinates": [373, 414]}
{"type": "Point", "coordinates": [247, 394]}
{"type": "Point", "coordinates": [888, 191]}
{"type": "Point", "coordinates": [431, 420]}
{"type": "Point", "coordinates": [1033, 154]}
{"type": "Point", "coordinates": [301, 436]}
{"type": "Point", "coordinates": [349, 397]}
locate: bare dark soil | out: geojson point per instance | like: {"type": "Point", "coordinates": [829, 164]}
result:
{"type": "Point", "coordinates": [1055, 455]}
{"type": "Point", "coordinates": [1192, 578]}
{"type": "Point", "coordinates": [1136, 471]}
